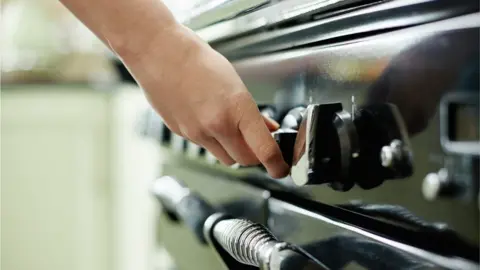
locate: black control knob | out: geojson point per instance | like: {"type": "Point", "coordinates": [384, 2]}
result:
{"type": "Point", "coordinates": [329, 148]}
{"type": "Point", "coordinates": [182, 202]}
{"type": "Point", "coordinates": [381, 131]}
{"type": "Point", "coordinates": [364, 147]}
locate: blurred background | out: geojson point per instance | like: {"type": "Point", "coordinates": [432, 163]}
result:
{"type": "Point", "coordinates": [74, 171]}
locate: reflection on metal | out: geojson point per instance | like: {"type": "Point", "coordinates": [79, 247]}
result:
{"type": "Point", "coordinates": [417, 67]}
{"type": "Point", "coordinates": [361, 253]}
{"type": "Point", "coordinates": [248, 243]}
{"type": "Point", "coordinates": [274, 14]}
{"type": "Point", "coordinates": [369, 19]}
{"type": "Point", "coordinates": [369, 249]}
{"type": "Point", "coordinates": [402, 216]}
{"type": "Point", "coordinates": [404, 75]}
{"type": "Point", "coordinates": [217, 11]}
{"type": "Point", "coordinates": [169, 191]}
{"type": "Point", "coordinates": [460, 121]}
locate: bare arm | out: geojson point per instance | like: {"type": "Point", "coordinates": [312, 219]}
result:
{"type": "Point", "coordinates": [195, 90]}
{"type": "Point", "coordinates": [126, 26]}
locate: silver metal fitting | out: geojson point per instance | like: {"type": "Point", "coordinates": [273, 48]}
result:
{"type": "Point", "coordinates": [392, 154]}
{"type": "Point", "coordinates": [247, 242]}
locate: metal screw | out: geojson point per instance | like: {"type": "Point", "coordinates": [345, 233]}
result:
{"type": "Point", "coordinates": [434, 183]}
{"type": "Point", "coordinates": [391, 154]}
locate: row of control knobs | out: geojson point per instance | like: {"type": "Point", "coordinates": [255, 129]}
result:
{"type": "Point", "coordinates": [363, 148]}
{"type": "Point", "coordinates": [389, 158]}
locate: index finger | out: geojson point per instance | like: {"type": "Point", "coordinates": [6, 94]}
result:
{"type": "Point", "coordinates": [258, 138]}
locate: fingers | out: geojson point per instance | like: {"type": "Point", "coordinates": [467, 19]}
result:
{"type": "Point", "coordinates": [238, 149]}
{"type": "Point", "coordinates": [258, 138]}
{"type": "Point", "coordinates": [199, 137]}
{"type": "Point", "coordinates": [234, 143]}
{"type": "Point", "coordinates": [218, 151]}
{"type": "Point", "coordinates": [223, 128]}
{"type": "Point", "coordinates": [238, 133]}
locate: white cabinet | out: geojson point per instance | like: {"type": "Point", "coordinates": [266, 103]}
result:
{"type": "Point", "coordinates": [74, 180]}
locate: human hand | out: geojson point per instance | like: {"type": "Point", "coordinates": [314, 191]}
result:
{"type": "Point", "coordinates": [200, 97]}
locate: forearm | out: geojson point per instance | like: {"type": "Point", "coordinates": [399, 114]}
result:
{"type": "Point", "coordinates": [128, 27]}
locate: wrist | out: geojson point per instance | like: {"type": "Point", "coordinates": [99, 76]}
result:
{"type": "Point", "coordinates": [175, 45]}
{"type": "Point", "coordinates": [135, 39]}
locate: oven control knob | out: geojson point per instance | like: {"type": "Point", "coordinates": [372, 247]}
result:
{"type": "Point", "coordinates": [439, 184]}
{"type": "Point", "coordinates": [364, 147]}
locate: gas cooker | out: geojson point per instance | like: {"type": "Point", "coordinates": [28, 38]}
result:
{"type": "Point", "coordinates": [395, 86]}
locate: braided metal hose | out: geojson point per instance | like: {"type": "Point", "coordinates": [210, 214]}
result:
{"type": "Point", "coordinates": [247, 242]}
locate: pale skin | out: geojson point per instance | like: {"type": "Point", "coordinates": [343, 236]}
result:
{"type": "Point", "coordinates": [195, 89]}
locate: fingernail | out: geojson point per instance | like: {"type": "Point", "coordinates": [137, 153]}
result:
{"type": "Point", "coordinates": [286, 171]}
{"type": "Point", "coordinates": [273, 122]}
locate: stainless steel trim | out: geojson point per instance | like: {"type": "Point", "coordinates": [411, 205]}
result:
{"type": "Point", "coordinates": [463, 148]}
{"type": "Point", "coordinates": [369, 18]}
{"type": "Point", "coordinates": [450, 262]}
{"type": "Point", "coordinates": [283, 11]}
{"type": "Point", "coordinates": [287, 62]}
{"type": "Point", "coordinates": [227, 9]}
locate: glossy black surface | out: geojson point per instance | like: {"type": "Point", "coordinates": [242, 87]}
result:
{"type": "Point", "coordinates": [343, 25]}
{"type": "Point", "coordinates": [341, 246]}
{"type": "Point", "coordinates": [412, 69]}
{"type": "Point", "coordinates": [329, 233]}
{"type": "Point", "coordinates": [406, 223]}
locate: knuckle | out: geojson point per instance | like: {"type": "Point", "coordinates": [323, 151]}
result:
{"type": "Point", "coordinates": [239, 97]}
{"type": "Point", "coordinates": [194, 134]}
{"type": "Point", "coordinates": [269, 153]}
{"type": "Point", "coordinates": [240, 103]}
{"type": "Point", "coordinates": [217, 124]}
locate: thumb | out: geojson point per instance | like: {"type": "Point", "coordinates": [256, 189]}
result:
{"type": "Point", "coordinates": [272, 125]}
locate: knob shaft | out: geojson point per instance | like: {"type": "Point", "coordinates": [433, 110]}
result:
{"type": "Point", "coordinates": [440, 184]}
